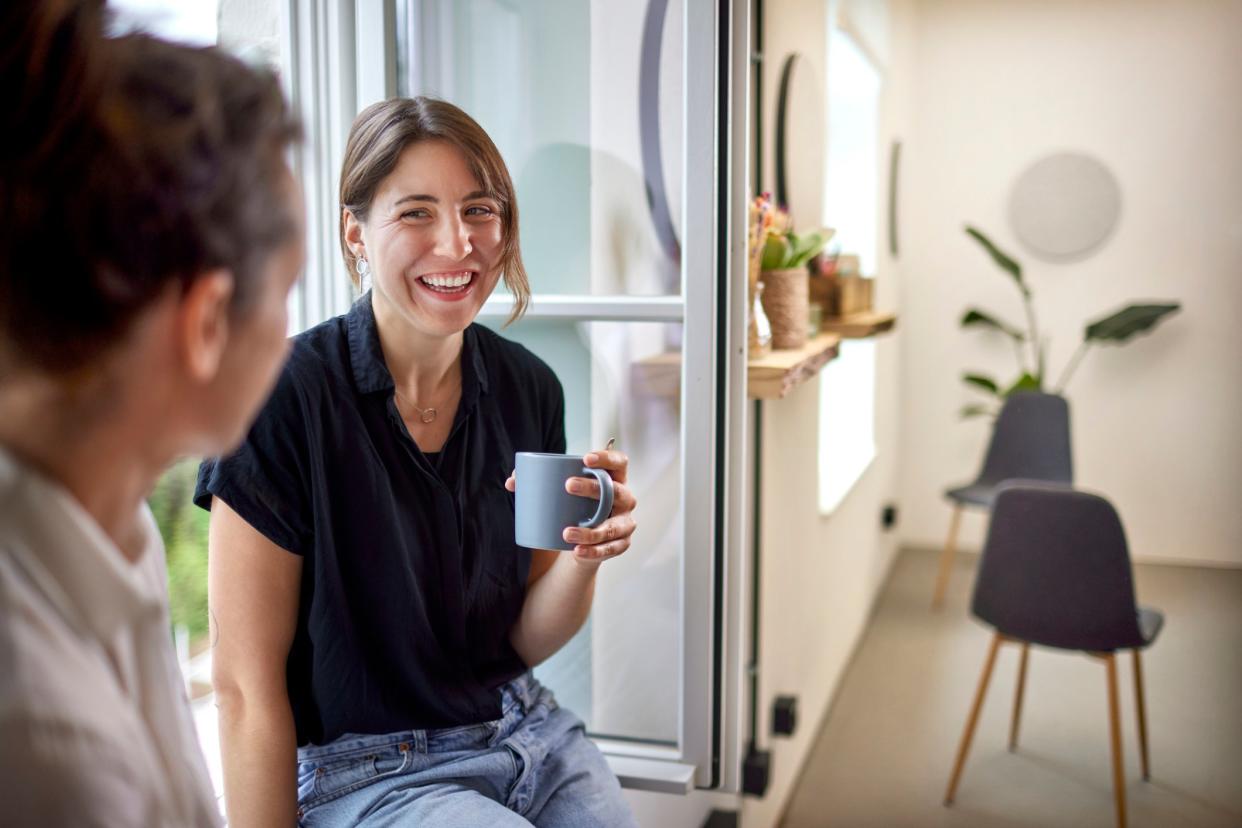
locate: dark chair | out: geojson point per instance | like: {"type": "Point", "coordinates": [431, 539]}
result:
{"type": "Point", "coordinates": [1030, 441]}
{"type": "Point", "coordinates": [1056, 572]}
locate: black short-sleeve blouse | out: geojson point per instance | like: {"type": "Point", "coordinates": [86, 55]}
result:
{"type": "Point", "coordinates": [411, 579]}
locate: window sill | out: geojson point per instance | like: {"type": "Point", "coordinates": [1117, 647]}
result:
{"type": "Point", "coordinates": [652, 774]}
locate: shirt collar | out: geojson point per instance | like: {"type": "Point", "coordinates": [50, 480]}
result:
{"type": "Point", "coordinates": [366, 357]}
{"type": "Point", "coordinates": [75, 563]}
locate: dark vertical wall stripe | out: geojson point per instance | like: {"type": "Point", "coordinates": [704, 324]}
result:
{"type": "Point", "coordinates": [782, 101]}
{"type": "Point", "coordinates": [894, 162]}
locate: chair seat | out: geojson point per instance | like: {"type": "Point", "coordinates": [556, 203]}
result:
{"type": "Point", "coordinates": [1150, 621]}
{"type": "Point", "coordinates": [976, 494]}
{"type": "Point", "coordinates": [983, 492]}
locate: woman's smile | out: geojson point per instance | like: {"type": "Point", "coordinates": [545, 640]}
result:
{"type": "Point", "coordinates": [449, 285]}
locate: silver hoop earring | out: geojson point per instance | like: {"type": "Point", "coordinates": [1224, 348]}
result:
{"type": "Point", "coordinates": [363, 267]}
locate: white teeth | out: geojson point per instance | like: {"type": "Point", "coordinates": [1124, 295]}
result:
{"type": "Point", "coordinates": [446, 281]}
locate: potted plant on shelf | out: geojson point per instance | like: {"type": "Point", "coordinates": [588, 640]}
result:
{"type": "Point", "coordinates": [783, 289]}
{"type": "Point", "coordinates": [1030, 350]}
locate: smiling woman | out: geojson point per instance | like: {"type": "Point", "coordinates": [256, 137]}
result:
{"type": "Point", "coordinates": [369, 599]}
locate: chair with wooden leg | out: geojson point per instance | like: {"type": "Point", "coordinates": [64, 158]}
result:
{"type": "Point", "coordinates": [1056, 573]}
{"type": "Point", "coordinates": [1030, 441]}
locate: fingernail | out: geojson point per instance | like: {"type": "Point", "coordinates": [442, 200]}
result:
{"type": "Point", "coordinates": [592, 458]}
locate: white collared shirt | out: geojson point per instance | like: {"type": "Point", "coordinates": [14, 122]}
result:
{"type": "Point", "coordinates": [95, 728]}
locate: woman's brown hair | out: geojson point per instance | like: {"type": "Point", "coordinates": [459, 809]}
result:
{"type": "Point", "coordinates": [382, 131]}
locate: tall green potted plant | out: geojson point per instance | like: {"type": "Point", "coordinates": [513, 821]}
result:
{"type": "Point", "coordinates": [1031, 350]}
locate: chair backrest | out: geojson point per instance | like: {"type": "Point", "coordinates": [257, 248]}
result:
{"type": "Point", "coordinates": [1031, 440]}
{"type": "Point", "coordinates": [1056, 570]}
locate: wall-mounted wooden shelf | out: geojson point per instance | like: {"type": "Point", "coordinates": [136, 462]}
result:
{"type": "Point", "coordinates": [768, 377]}
{"type": "Point", "coordinates": [776, 373]}
{"type": "Point", "coordinates": [859, 325]}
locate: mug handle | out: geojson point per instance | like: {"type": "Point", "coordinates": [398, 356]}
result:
{"type": "Point", "coordinates": [605, 498]}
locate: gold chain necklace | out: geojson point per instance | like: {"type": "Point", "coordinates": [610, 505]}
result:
{"type": "Point", "coordinates": [426, 415]}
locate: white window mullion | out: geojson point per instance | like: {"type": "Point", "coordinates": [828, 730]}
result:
{"type": "Point", "coordinates": [700, 695]}
{"type": "Point", "coordinates": [322, 85]}
{"type": "Point", "coordinates": [591, 308]}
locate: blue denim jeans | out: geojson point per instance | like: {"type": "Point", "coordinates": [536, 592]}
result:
{"type": "Point", "coordinates": [532, 766]}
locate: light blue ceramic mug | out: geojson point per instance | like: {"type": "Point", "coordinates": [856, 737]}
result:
{"type": "Point", "coordinates": [544, 509]}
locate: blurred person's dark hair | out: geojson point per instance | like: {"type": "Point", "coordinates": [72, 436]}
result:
{"type": "Point", "coordinates": [131, 165]}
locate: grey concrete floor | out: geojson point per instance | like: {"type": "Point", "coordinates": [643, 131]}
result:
{"type": "Point", "coordinates": [886, 748]}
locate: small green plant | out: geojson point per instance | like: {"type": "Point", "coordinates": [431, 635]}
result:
{"type": "Point", "coordinates": [1030, 350]}
{"type": "Point", "coordinates": [786, 249]}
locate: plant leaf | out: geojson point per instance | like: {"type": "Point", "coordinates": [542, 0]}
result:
{"type": "Point", "coordinates": [979, 381]}
{"type": "Point", "coordinates": [1127, 322]}
{"type": "Point", "coordinates": [974, 316]}
{"type": "Point", "coordinates": [806, 247]}
{"type": "Point", "coordinates": [1003, 260]}
{"type": "Point", "coordinates": [975, 410]}
{"type": "Point", "coordinates": [1026, 382]}
{"type": "Point", "coordinates": [775, 252]}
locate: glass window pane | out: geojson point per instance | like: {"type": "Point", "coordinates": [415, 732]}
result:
{"type": "Point", "coordinates": [584, 100]}
{"type": "Point", "coordinates": [846, 421]}
{"type": "Point", "coordinates": [249, 29]}
{"type": "Point", "coordinates": [852, 181]}
{"type": "Point", "coordinates": [621, 674]}
{"type": "Point", "coordinates": [193, 22]}
{"type": "Point", "coordinates": [847, 385]}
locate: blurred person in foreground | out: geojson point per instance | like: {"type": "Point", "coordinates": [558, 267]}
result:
{"type": "Point", "coordinates": [150, 232]}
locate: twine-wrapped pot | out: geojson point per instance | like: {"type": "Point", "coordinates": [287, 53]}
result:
{"type": "Point", "coordinates": [785, 300]}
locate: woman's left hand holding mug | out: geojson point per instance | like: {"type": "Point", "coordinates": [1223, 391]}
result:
{"type": "Point", "coordinates": [612, 537]}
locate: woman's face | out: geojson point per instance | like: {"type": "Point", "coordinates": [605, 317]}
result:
{"type": "Point", "coordinates": [433, 240]}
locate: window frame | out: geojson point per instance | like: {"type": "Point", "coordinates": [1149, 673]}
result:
{"type": "Point", "coordinates": [338, 59]}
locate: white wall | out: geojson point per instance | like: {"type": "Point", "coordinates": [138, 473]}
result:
{"type": "Point", "coordinates": [796, 27]}
{"type": "Point", "coordinates": [1154, 89]}
{"type": "Point", "coordinates": [820, 574]}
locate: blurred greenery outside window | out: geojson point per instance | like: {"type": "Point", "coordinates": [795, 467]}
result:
{"type": "Point", "coordinates": [184, 529]}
